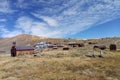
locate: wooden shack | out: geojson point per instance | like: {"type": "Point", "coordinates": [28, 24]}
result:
{"type": "Point", "coordinates": [113, 47]}
{"type": "Point", "coordinates": [66, 48]}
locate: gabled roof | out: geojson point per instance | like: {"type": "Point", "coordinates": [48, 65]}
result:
{"type": "Point", "coordinates": [22, 48]}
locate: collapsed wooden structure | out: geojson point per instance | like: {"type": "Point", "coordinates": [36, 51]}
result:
{"type": "Point", "coordinates": [74, 44]}
{"type": "Point", "coordinates": [101, 50]}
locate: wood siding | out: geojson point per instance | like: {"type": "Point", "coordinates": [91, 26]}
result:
{"type": "Point", "coordinates": [24, 52]}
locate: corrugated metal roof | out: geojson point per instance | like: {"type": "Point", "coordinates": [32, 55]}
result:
{"type": "Point", "coordinates": [24, 48]}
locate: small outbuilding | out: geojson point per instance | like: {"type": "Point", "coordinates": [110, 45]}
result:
{"type": "Point", "coordinates": [113, 47]}
{"type": "Point", "coordinates": [65, 48]}
{"type": "Point", "coordinates": [81, 45]}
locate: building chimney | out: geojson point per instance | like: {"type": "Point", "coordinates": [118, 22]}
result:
{"type": "Point", "coordinates": [14, 43]}
{"type": "Point", "coordinates": [13, 50]}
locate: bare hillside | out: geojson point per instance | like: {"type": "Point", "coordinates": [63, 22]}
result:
{"type": "Point", "coordinates": [6, 43]}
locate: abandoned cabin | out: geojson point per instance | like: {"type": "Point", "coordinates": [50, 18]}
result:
{"type": "Point", "coordinates": [21, 50]}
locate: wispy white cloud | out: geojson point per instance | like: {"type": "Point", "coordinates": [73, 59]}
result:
{"type": "Point", "coordinates": [7, 33]}
{"type": "Point", "coordinates": [41, 30]}
{"type": "Point", "coordinates": [49, 20]}
{"type": "Point", "coordinates": [3, 29]}
{"type": "Point", "coordinates": [22, 4]}
{"type": "Point", "coordinates": [5, 7]}
{"type": "Point", "coordinates": [24, 23]}
{"type": "Point", "coordinates": [30, 26]}
{"type": "Point", "coordinates": [70, 12]}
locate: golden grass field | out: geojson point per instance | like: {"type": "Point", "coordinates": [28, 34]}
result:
{"type": "Point", "coordinates": [61, 65]}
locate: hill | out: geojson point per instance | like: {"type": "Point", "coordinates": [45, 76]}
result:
{"type": "Point", "coordinates": [23, 39]}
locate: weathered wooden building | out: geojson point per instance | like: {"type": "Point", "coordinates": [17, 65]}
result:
{"type": "Point", "coordinates": [21, 50]}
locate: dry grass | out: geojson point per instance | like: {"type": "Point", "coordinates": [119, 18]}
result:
{"type": "Point", "coordinates": [61, 65]}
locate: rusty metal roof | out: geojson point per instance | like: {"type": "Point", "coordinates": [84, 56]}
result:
{"type": "Point", "coordinates": [24, 48]}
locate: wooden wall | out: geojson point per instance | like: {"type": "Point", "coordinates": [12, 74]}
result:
{"type": "Point", "coordinates": [24, 52]}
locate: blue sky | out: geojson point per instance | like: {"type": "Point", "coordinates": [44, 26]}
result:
{"type": "Point", "coordinates": [60, 18]}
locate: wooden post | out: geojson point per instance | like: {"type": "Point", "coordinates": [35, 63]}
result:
{"type": "Point", "coordinates": [101, 52]}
